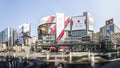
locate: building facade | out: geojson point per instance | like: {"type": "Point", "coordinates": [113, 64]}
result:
{"type": "Point", "coordinates": [96, 37]}
{"type": "Point", "coordinates": [109, 29]}
{"type": "Point", "coordinates": [8, 36]}
{"type": "Point", "coordinates": [47, 30]}
{"type": "Point", "coordinates": [54, 29]}
{"type": "Point", "coordinates": [34, 40]}
{"type": "Point", "coordinates": [108, 34]}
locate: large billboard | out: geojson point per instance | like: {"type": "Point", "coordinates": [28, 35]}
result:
{"type": "Point", "coordinates": [48, 19]}
{"type": "Point", "coordinates": [21, 41]}
{"type": "Point", "coordinates": [108, 22]}
{"type": "Point", "coordinates": [110, 28]}
{"type": "Point", "coordinates": [107, 31]}
{"type": "Point", "coordinates": [59, 25]}
{"type": "Point", "coordinates": [24, 28]}
{"type": "Point", "coordinates": [67, 23]}
{"type": "Point", "coordinates": [78, 23]}
{"type": "Point", "coordinates": [51, 28]}
{"type": "Point", "coordinates": [90, 23]}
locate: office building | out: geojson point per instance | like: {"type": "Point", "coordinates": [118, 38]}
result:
{"type": "Point", "coordinates": [8, 36]}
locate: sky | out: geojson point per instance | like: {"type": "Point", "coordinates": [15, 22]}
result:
{"type": "Point", "coordinates": [14, 13]}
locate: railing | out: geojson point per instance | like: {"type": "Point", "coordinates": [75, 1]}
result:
{"type": "Point", "coordinates": [70, 56]}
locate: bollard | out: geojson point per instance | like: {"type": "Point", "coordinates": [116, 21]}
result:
{"type": "Point", "coordinates": [14, 55]}
{"type": "Point", "coordinates": [70, 59]}
{"type": "Point", "coordinates": [56, 61]}
{"type": "Point", "coordinates": [92, 60]}
{"type": "Point", "coordinates": [47, 56]}
{"type": "Point", "coordinates": [118, 53]}
{"type": "Point", "coordinates": [109, 55]}
{"type": "Point", "coordinates": [27, 56]}
{"type": "Point", "coordinates": [89, 55]}
{"type": "Point", "coordinates": [5, 54]}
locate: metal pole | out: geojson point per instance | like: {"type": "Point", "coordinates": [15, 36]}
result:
{"type": "Point", "coordinates": [70, 59]}
{"type": "Point", "coordinates": [89, 55]}
{"type": "Point", "coordinates": [92, 60]}
{"type": "Point", "coordinates": [47, 56]}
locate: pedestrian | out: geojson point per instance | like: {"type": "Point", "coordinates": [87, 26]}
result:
{"type": "Point", "coordinates": [60, 65]}
{"type": "Point", "coordinates": [32, 49]}
{"type": "Point", "coordinates": [20, 63]}
{"type": "Point", "coordinates": [67, 51]}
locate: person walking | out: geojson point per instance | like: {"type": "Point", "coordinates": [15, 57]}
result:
{"type": "Point", "coordinates": [31, 49]}
{"type": "Point", "coordinates": [67, 51]}
{"type": "Point", "coordinates": [20, 63]}
{"type": "Point", "coordinates": [60, 65]}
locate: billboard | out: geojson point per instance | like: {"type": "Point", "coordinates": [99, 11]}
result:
{"type": "Point", "coordinates": [110, 28]}
{"type": "Point", "coordinates": [107, 31]}
{"type": "Point", "coordinates": [59, 25]}
{"type": "Point", "coordinates": [24, 28]}
{"type": "Point", "coordinates": [20, 31]}
{"type": "Point", "coordinates": [48, 19]}
{"type": "Point", "coordinates": [67, 23]}
{"type": "Point", "coordinates": [51, 28]}
{"type": "Point", "coordinates": [78, 23]}
{"type": "Point", "coordinates": [90, 23]}
{"type": "Point", "coordinates": [108, 22]}
{"type": "Point", "coordinates": [21, 41]}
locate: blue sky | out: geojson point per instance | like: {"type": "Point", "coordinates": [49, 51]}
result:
{"type": "Point", "coordinates": [13, 13]}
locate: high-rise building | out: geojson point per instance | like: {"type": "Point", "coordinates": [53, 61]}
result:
{"type": "Point", "coordinates": [8, 36]}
